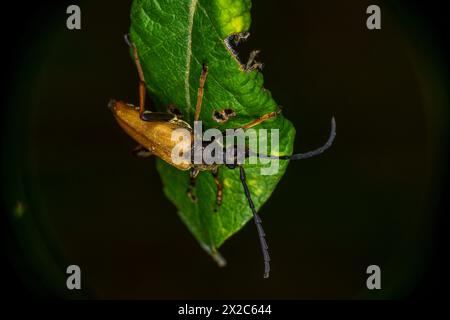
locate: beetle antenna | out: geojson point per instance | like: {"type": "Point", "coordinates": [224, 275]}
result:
{"type": "Point", "coordinates": [258, 223]}
{"type": "Point", "coordinates": [310, 154]}
{"type": "Point", "coordinates": [318, 151]}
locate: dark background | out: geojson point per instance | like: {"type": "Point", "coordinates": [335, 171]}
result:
{"type": "Point", "coordinates": [375, 198]}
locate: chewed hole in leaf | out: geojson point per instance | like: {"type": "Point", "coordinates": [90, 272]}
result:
{"type": "Point", "coordinates": [173, 109]}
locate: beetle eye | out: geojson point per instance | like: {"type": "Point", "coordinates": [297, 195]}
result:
{"type": "Point", "coordinates": [112, 105]}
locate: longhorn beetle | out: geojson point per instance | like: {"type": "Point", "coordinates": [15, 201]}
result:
{"type": "Point", "coordinates": [153, 132]}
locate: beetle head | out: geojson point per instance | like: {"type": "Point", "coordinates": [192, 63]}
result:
{"type": "Point", "coordinates": [120, 106]}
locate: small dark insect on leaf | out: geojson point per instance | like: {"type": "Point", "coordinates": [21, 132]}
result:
{"type": "Point", "coordinates": [145, 127]}
{"type": "Point", "coordinates": [174, 110]}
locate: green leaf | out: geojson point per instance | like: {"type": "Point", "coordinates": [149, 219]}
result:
{"type": "Point", "coordinates": [173, 39]}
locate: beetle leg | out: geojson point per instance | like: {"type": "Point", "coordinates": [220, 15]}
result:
{"type": "Point", "coordinates": [261, 119]}
{"type": "Point", "coordinates": [141, 152]}
{"type": "Point", "coordinates": [201, 87]}
{"type": "Point", "coordinates": [193, 173]}
{"type": "Point", "coordinates": [219, 187]}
